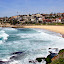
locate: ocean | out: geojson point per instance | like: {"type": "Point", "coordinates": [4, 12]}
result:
{"type": "Point", "coordinates": [32, 43]}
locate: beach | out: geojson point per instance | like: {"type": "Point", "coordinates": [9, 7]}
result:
{"type": "Point", "coordinates": [57, 29]}
{"type": "Point", "coordinates": [28, 43]}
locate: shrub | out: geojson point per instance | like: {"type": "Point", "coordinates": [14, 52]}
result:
{"type": "Point", "coordinates": [61, 51]}
{"type": "Point", "coordinates": [58, 61]}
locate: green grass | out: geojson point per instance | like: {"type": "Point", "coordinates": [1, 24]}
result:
{"type": "Point", "coordinates": [49, 24]}
{"type": "Point", "coordinates": [58, 61]}
{"type": "Point", "coordinates": [61, 51]}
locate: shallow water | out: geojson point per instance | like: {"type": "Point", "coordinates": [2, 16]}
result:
{"type": "Point", "coordinates": [32, 42]}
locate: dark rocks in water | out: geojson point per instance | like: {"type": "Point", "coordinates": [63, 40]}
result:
{"type": "Point", "coordinates": [40, 59]}
{"type": "Point", "coordinates": [13, 57]}
{"type": "Point", "coordinates": [50, 52]}
{"type": "Point", "coordinates": [17, 53]}
{"type": "Point", "coordinates": [53, 54]}
{"type": "Point", "coordinates": [50, 48]}
{"type": "Point", "coordinates": [30, 61]}
{"type": "Point", "coordinates": [3, 62]}
{"type": "Point", "coordinates": [50, 56]}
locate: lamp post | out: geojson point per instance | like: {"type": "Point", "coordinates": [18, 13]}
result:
{"type": "Point", "coordinates": [17, 15]}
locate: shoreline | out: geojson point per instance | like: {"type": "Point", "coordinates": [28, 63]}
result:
{"type": "Point", "coordinates": [57, 29]}
{"type": "Point", "coordinates": [53, 28]}
{"type": "Point", "coordinates": [45, 27]}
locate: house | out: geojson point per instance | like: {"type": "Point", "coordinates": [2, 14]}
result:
{"type": "Point", "coordinates": [21, 21]}
{"type": "Point", "coordinates": [63, 14]}
{"type": "Point", "coordinates": [53, 20]}
{"type": "Point", "coordinates": [25, 18]}
{"type": "Point", "coordinates": [1, 19]}
{"type": "Point", "coordinates": [38, 15]}
{"type": "Point", "coordinates": [62, 20]}
{"type": "Point", "coordinates": [32, 19]}
{"type": "Point", "coordinates": [40, 20]}
{"type": "Point", "coordinates": [58, 20]}
{"type": "Point", "coordinates": [59, 14]}
{"type": "Point", "coordinates": [15, 17]}
{"type": "Point", "coordinates": [47, 20]}
{"type": "Point", "coordinates": [4, 19]}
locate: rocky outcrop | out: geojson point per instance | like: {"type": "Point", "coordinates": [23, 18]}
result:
{"type": "Point", "coordinates": [17, 53]}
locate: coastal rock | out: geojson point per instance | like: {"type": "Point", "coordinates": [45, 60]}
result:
{"type": "Point", "coordinates": [40, 59]}
{"type": "Point", "coordinates": [13, 57]}
{"type": "Point", "coordinates": [17, 56]}
{"type": "Point", "coordinates": [17, 53]}
{"type": "Point", "coordinates": [50, 56]}
{"type": "Point", "coordinates": [53, 54]}
{"type": "Point", "coordinates": [30, 61]}
{"type": "Point", "coordinates": [3, 62]}
{"type": "Point", "coordinates": [33, 61]}
{"type": "Point", "coordinates": [50, 48]}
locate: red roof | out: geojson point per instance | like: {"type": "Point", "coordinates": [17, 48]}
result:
{"type": "Point", "coordinates": [60, 18]}
{"type": "Point", "coordinates": [62, 13]}
{"type": "Point", "coordinates": [47, 20]}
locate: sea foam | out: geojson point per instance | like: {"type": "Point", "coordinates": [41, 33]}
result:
{"type": "Point", "coordinates": [3, 36]}
{"type": "Point", "coordinates": [34, 42]}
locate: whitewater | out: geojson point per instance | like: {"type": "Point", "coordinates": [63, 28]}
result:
{"type": "Point", "coordinates": [34, 43]}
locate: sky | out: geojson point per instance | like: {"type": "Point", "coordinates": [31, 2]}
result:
{"type": "Point", "coordinates": [11, 7]}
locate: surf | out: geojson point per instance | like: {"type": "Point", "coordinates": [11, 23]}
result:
{"type": "Point", "coordinates": [33, 43]}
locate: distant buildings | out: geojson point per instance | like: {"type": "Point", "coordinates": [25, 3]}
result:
{"type": "Point", "coordinates": [36, 18]}
{"type": "Point", "coordinates": [62, 20]}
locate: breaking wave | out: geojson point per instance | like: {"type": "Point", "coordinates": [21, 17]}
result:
{"type": "Point", "coordinates": [33, 43]}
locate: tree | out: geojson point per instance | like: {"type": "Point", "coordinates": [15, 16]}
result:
{"type": "Point", "coordinates": [15, 22]}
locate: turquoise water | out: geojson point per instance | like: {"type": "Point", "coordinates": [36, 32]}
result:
{"type": "Point", "coordinates": [33, 42]}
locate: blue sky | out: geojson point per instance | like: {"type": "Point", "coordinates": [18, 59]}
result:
{"type": "Point", "coordinates": [10, 7]}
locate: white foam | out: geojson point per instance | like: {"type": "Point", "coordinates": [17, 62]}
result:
{"type": "Point", "coordinates": [9, 29]}
{"type": "Point", "coordinates": [35, 49]}
{"type": "Point", "coordinates": [3, 35]}
{"type": "Point", "coordinates": [15, 62]}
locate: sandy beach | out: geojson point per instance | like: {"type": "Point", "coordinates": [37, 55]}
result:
{"type": "Point", "coordinates": [58, 29]}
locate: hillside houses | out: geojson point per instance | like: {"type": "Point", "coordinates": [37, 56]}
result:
{"type": "Point", "coordinates": [36, 18]}
{"type": "Point", "coordinates": [62, 20]}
